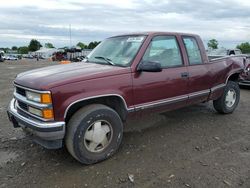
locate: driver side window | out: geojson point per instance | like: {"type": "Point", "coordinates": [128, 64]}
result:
{"type": "Point", "coordinates": [163, 50]}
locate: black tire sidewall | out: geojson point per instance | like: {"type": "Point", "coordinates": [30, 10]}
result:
{"type": "Point", "coordinates": [235, 87]}
{"type": "Point", "coordinates": [81, 151]}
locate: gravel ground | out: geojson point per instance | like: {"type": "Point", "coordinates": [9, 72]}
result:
{"type": "Point", "coordinates": [190, 147]}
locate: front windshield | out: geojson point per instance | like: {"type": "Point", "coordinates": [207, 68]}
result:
{"type": "Point", "coordinates": [117, 51]}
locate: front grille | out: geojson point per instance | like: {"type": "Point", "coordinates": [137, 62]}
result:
{"type": "Point", "coordinates": [23, 106]}
{"type": "Point", "coordinates": [21, 91]}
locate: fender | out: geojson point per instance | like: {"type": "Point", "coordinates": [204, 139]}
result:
{"type": "Point", "coordinates": [95, 97]}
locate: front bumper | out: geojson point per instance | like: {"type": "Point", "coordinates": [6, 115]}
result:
{"type": "Point", "coordinates": [48, 134]}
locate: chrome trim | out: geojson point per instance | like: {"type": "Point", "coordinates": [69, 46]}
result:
{"type": "Point", "coordinates": [160, 102]}
{"type": "Point", "coordinates": [172, 100]}
{"type": "Point", "coordinates": [199, 93]}
{"type": "Point", "coordinates": [99, 96]}
{"type": "Point", "coordinates": [220, 86]}
{"type": "Point", "coordinates": [32, 122]}
{"type": "Point", "coordinates": [31, 103]}
{"type": "Point", "coordinates": [29, 89]}
{"type": "Point", "coordinates": [244, 83]}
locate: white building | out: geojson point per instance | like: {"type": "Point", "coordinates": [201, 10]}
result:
{"type": "Point", "coordinates": [44, 52]}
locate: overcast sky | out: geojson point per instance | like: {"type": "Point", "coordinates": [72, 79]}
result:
{"type": "Point", "coordinates": [48, 20]}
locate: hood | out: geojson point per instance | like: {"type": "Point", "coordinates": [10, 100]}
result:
{"type": "Point", "coordinates": [53, 76]}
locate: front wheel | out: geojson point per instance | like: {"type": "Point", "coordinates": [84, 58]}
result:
{"type": "Point", "coordinates": [229, 100]}
{"type": "Point", "coordinates": [94, 133]}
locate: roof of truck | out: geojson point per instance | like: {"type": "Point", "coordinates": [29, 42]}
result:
{"type": "Point", "coordinates": [156, 33]}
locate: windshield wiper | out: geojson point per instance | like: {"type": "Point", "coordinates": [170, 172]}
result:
{"type": "Point", "coordinates": [109, 61]}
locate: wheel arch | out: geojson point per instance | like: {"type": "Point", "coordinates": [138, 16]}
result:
{"type": "Point", "coordinates": [114, 101]}
{"type": "Point", "coordinates": [233, 77]}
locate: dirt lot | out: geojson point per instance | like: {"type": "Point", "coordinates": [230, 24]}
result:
{"type": "Point", "coordinates": [190, 147]}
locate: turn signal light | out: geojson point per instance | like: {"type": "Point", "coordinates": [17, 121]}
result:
{"type": "Point", "coordinates": [48, 114]}
{"type": "Point", "coordinates": [46, 98]}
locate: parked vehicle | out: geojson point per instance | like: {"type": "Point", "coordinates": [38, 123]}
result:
{"type": "Point", "coordinates": [59, 56]}
{"type": "Point", "coordinates": [85, 104]}
{"type": "Point", "coordinates": [2, 56]}
{"type": "Point", "coordinates": [245, 76]}
{"type": "Point", "coordinates": [11, 58]}
{"type": "Point", "coordinates": [222, 52]}
{"type": "Point", "coordinates": [28, 56]}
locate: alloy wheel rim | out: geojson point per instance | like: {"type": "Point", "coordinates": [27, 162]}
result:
{"type": "Point", "coordinates": [98, 136]}
{"type": "Point", "coordinates": [230, 98]}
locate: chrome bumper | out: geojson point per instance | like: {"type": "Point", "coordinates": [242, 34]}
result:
{"type": "Point", "coordinates": [244, 83]}
{"type": "Point", "coordinates": [47, 134]}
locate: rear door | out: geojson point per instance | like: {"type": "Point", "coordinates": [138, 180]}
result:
{"type": "Point", "coordinates": [199, 72]}
{"type": "Point", "coordinates": [168, 87]}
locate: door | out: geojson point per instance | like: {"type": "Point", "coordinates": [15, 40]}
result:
{"type": "Point", "coordinates": [168, 87]}
{"type": "Point", "coordinates": [199, 73]}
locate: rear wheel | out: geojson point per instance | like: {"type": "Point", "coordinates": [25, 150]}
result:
{"type": "Point", "coordinates": [94, 133]}
{"type": "Point", "coordinates": [229, 100]}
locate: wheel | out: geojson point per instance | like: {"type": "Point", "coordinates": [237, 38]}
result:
{"type": "Point", "coordinates": [94, 133]}
{"type": "Point", "coordinates": [229, 100]}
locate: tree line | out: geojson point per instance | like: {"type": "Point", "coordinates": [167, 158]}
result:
{"type": "Point", "coordinates": [244, 47]}
{"type": "Point", "coordinates": [35, 45]}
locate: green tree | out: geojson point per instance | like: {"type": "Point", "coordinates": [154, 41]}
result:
{"type": "Point", "coordinates": [82, 45]}
{"type": "Point", "coordinates": [34, 45]}
{"type": "Point", "coordinates": [14, 48]}
{"type": "Point", "coordinates": [92, 45]}
{"type": "Point", "coordinates": [23, 50]}
{"type": "Point", "coordinates": [49, 45]}
{"type": "Point", "coordinates": [213, 43]}
{"type": "Point", "coordinates": [244, 47]}
{"type": "Point", "coordinates": [5, 49]}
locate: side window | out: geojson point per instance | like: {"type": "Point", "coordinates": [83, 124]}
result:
{"type": "Point", "coordinates": [163, 50]}
{"type": "Point", "coordinates": [193, 51]}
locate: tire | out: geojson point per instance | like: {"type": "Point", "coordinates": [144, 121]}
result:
{"type": "Point", "coordinates": [225, 106]}
{"type": "Point", "coordinates": [94, 133]}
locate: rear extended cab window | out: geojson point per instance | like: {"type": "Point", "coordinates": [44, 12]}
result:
{"type": "Point", "coordinates": [164, 50]}
{"type": "Point", "coordinates": [193, 50]}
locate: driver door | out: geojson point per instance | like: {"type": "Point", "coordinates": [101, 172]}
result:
{"type": "Point", "coordinates": [165, 88]}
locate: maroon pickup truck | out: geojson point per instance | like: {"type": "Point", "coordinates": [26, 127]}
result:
{"type": "Point", "coordinates": [84, 105]}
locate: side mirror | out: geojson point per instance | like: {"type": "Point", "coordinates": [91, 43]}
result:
{"type": "Point", "coordinates": [149, 66]}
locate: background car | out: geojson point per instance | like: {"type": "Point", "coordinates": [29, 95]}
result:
{"type": "Point", "coordinates": [245, 76]}
{"type": "Point", "coordinates": [12, 58]}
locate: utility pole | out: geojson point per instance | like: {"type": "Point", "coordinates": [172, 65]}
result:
{"type": "Point", "coordinates": [70, 35]}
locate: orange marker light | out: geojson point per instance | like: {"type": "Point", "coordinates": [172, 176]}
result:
{"type": "Point", "coordinates": [48, 114]}
{"type": "Point", "coordinates": [46, 98]}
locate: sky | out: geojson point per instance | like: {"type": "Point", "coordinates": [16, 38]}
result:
{"type": "Point", "coordinates": [228, 21]}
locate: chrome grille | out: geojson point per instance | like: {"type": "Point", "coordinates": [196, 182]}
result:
{"type": "Point", "coordinates": [22, 105]}
{"type": "Point", "coordinates": [21, 91]}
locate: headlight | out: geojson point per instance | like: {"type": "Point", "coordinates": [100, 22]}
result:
{"type": "Point", "coordinates": [44, 98]}
{"type": "Point", "coordinates": [44, 113]}
{"type": "Point", "coordinates": [35, 111]}
{"type": "Point", "coordinates": [36, 97]}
